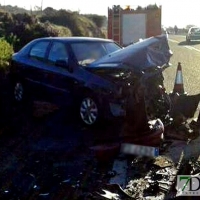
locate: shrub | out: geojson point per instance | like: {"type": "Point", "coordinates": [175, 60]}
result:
{"type": "Point", "coordinates": [12, 39]}
{"type": "Point", "coordinates": [6, 51]}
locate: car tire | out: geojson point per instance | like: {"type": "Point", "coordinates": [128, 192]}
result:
{"type": "Point", "coordinates": [187, 40]}
{"type": "Point", "coordinates": [21, 94]}
{"type": "Point", "coordinates": [89, 110]}
{"type": "Point", "coordinates": [18, 91]}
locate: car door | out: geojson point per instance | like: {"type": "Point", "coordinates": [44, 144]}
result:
{"type": "Point", "coordinates": [35, 64]}
{"type": "Point", "coordinates": [59, 79]}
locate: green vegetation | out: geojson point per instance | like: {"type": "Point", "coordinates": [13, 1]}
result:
{"type": "Point", "coordinates": [100, 21]}
{"type": "Point", "coordinates": [149, 7]}
{"type": "Point", "coordinates": [152, 7]}
{"type": "Point", "coordinates": [19, 29]}
{"type": "Point", "coordinates": [19, 26]}
{"type": "Point", "coordinates": [13, 9]}
{"type": "Point", "coordinates": [80, 25]}
{"type": "Point", "coordinates": [6, 51]}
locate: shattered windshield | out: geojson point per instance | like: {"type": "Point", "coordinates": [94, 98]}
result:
{"type": "Point", "coordinates": [89, 52]}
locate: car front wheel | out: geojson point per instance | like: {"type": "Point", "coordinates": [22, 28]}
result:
{"type": "Point", "coordinates": [89, 111]}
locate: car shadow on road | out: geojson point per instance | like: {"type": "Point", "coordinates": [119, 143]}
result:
{"type": "Point", "coordinates": [192, 43]}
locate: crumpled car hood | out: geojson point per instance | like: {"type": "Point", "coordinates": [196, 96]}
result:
{"type": "Point", "coordinates": [115, 74]}
{"type": "Point", "coordinates": [151, 52]}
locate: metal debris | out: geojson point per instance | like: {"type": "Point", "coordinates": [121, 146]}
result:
{"type": "Point", "coordinates": [162, 162]}
{"type": "Point", "coordinates": [152, 190]}
{"type": "Point", "coordinates": [109, 195]}
{"type": "Point", "coordinates": [44, 194]}
{"type": "Point", "coordinates": [194, 165]}
{"type": "Point", "coordinates": [120, 168]}
{"type": "Point", "coordinates": [66, 181]}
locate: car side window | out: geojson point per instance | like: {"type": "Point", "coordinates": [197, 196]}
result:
{"type": "Point", "coordinates": [38, 51]}
{"type": "Point", "coordinates": [58, 51]}
{"type": "Point", "coordinates": [197, 30]}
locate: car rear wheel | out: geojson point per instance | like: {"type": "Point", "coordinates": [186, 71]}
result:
{"type": "Point", "coordinates": [188, 40]}
{"type": "Point", "coordinates": [89, 111]}
{"type": "Point", "coordinates": [18, 91]}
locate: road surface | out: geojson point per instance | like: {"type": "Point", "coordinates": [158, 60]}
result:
{"type": "Point", "coordinates": [189, 56]}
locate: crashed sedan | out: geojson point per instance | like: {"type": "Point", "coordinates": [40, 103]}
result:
{"type": "Point", "coordinates": [100, 78]}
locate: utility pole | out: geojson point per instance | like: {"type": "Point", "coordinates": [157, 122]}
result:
{"type": "Point", "coordinates": [41, 5]}
{"type": "Point", "coordinates": [31, 11]}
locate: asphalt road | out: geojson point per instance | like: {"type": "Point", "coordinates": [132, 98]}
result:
{"type": "Point", "coordinates": [189, 56]}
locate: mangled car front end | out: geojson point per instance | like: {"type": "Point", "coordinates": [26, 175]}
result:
{"type": "Point", "coordinates": [136, 73]}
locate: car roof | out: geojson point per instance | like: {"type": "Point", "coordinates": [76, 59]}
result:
{"type": "Point", "coordinates": [64, 39]}
{"type": "Point", "coordinates": [194, 27]}
{"type": "Point", "coordinates": [76, 39]}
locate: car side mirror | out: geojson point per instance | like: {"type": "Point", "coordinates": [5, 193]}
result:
{"type": "Point", "coordinates": [64, 64]}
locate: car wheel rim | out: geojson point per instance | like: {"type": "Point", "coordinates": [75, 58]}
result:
{"type": "Point", "coordinates": [18, 92]}
{"type": "Point", "coordinates": [88, 111]}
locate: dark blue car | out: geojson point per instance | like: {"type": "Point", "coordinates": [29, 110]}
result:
{"type": "Point", "coordinates": [96, 75]}
{"type": "Point", "coordinates": [58, 66]}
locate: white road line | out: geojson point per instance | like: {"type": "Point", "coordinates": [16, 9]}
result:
{"type": "Point", "coordinates": [196, 49]}
{"type": "Point", "coordinates": [192, 48]}
{"type": "Point", "coordinates": [188, 47]}
{"type": "Point", "coordinates": [182, 36]}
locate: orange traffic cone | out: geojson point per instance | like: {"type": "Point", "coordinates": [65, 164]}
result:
{"type": "Point", "coordinates": [178, 85]}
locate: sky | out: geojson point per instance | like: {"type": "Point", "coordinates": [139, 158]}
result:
{"type": "Point", "coordinates": [174, 12]}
